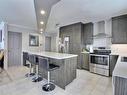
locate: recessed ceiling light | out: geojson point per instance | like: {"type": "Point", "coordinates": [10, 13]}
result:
{"type": "Point", "coordinates": [41, 32]}
{"type": "Point", "coordinates": [42, 12]}
{"type": "Point", "coordinates": [41, 29]}
{"type": "Point", "coordinates": [41, 22]}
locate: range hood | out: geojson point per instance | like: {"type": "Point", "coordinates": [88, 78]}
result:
{"type": "Point", "coordinates": [100, 30]}
{"type": "Point", "coordinates": [102, 35]}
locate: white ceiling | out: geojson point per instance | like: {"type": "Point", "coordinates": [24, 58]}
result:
{"type": "Point", "coordinates": [19, 12]}
{"type": "Point", "coordinates": [45, 5]}
{"type": "Point", "coordinates": [71, 11]}
{"type": "Point", "coordinates": [22, 12]}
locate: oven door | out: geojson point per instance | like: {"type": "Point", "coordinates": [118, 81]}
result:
{"type": "Point", "coordinates": [101, 61]}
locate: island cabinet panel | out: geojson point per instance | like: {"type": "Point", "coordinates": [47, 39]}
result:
{"type": "Point", "coordinates": [65, 74]}
{"type": "Point", "coordinates": [119, 86]}
{"type": "Point", "coordinates": [119, 30]}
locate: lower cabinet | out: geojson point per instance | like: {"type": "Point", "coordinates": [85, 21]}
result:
{"type": "Point", "coordinates": [113, 60]}
{"type": "Point", "coordinates": [85, 61]}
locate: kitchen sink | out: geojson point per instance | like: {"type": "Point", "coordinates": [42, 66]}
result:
{"type": "Point", "coordinates": [123, 59]}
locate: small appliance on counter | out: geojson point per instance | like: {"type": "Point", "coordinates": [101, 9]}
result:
{"type": "Point", "coordinates": [99, 61]}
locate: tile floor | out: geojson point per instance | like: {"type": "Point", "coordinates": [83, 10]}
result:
{"type": "Point", "coordinates": [86, 83]}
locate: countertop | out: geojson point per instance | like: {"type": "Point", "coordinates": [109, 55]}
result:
{"type": "Point", "coordinates": [121, 54]}
{"type": "Point", "coordinates": [85, 52]}
{"type": "Point", "coordinates": [120, 69]}
{"type": "Point", "coordinates": [54, 55]}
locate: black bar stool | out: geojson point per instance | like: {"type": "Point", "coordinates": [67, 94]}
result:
{"type": "Point", "coordinates": [45, 65]}
{"type": "Point", "coordinates": [28, 64]}
{"type": "Point", "coordinates": [25, 59]}
{"type": "Point", "coordinates": [37, 78]}
{"type": "Point", "coordinates": [31, 60]}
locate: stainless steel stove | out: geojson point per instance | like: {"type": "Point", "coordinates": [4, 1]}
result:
{"type": "Point", "coordinates": [99, 61]}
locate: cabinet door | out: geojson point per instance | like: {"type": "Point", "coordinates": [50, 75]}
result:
{"type": "Point", "coordinates": [119, 30]}
{"type": "Point", "coordinates": [115, 32]}
{"type": "Point", "coordinates": [122, 28]}
{"type": "Point", "coordinates": [113, 60]}
{"type": "Point", "coordinates": [85, 61]}
{"type": "Point", "coordinates": [88, 33]}
{"type": "Point", "coordinates": [77, 33]}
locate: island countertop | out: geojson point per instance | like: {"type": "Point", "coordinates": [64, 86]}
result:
{"type": "Point", "coordinates": [120, 69]}
{"type": "Point", "coordinates": [54, 55]}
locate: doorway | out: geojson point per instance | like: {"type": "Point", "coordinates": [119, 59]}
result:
{"type": "Point", "coordinates": [14, 49]}
{"type": "Point", "coordinates": [47, 43]}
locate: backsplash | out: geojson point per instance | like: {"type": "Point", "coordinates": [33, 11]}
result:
{"type": "Point", "coordinates": [119, 48]}
{"type": "Point", "coordinates": [102, 42]}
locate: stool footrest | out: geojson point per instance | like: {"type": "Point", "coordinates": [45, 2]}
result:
{"type": "Point", "coordinates": [37, 79]}
{"type": "Point", "coordinates": [30, 75]}
{"type": "Point", "coordinates": [48, 87]}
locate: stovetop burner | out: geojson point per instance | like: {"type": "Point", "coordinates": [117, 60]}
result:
{"type": "Point", "coordinates": [102, 52]}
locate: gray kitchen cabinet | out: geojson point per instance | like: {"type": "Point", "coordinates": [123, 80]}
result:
{"type": "Point", "coordinates": [80, 34]}
{"type": "Point", "coordinates": [74, 32]}
{"type": "Point", "coordinates": [77, 29]}
{"type": "Point", "coordinates": [87, 35]}
{"type": "Point", "coordinates": [119, 30]}
{"type": "Point", "coordinates": [113, 60]}
{"type": "Point", "coordinates": [85, 60]}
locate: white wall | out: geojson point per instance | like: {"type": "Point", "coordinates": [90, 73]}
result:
{"type": "Point", "coordinates": [25, 37]}
{"type": "Point", "coordinates": [25, 43]}
{"type": "Point", "coordinates": [25, 40]}
{"type": "Point", "coordinates": [119, 48]}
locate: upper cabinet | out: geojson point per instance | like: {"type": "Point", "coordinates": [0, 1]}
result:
{"type": "Point", "coordinates": [87, 34]}
{"type": "Point", "coordinates": [74, 33]}
{"type": "Point", "coordinates": [79, 33]}
{"type": "Point", "coordinates": [119, 30]}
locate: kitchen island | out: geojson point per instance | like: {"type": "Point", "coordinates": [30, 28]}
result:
{"type": "Point", "coordinates": [120, 77]}
{"type": "Point", "coordinates": [67, 71]}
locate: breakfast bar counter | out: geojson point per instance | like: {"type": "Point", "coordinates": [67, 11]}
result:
{"type": "Point", "coordinates": [67, 63]}
{"type": "Point", "coordinates": [53, 55]}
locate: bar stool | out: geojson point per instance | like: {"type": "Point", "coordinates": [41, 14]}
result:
{"type": "Point", "coordinates": [25, 58]}
{"type": "Point", "coordinates": [25, 63]}
{"type": "Point", "coordinates": [44, 64]}
{"type": "Point", "coordinates": [37, 78]}
{"type": "Point", "coordinates": [31, 60]}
